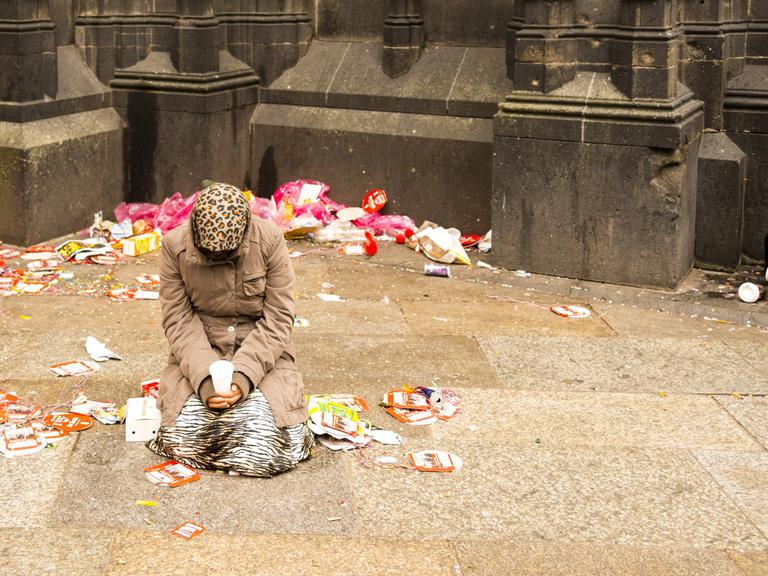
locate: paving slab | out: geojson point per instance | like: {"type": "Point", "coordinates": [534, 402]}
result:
{"type": "Point", "coordinates": [560, 419]}
{"type": "Point", "coordinates": [390, 361]}
{"type": "Point", "coordinates": [586, 559]}
{"type": "Point", "coordinates": [351, 317]}
{"type": "Point", "coordinates": [300, 501]}
{"type": "Point", "coordinates": [753, 351]}
{"type": "Point", "coordinates": [493, 317]}
{"type": "Point", "coordinates": [362, 281]}
{"type": "Point", "coordinates": [29, 484]}
{"type": "Point", "coordinates": [752, 413]}
{"type": "Point", "coordinates": [647, 364]}
{"type": "Point", "coordinates": [629, 320]}
{"type": "Point", "coordinates": [744, 477]}
{"type": "Point", "coordinates": [612, 496]}
{"type": "Point", "coordinates": [64, 552]}
{"type": "Point", "coordinates": [751, 563]}
{"type": "Point", "coordinates": [51, 390]}
{"type": "Point", "coordinates": [141, 553]}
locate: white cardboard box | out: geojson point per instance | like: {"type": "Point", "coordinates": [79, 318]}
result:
{"type": "Point", "coordinates": [142, 419]}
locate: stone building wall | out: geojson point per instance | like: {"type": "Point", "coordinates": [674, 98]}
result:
{"type": "Point", "coordinates": [612, 140]}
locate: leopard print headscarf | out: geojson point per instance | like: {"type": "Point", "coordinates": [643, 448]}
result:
{"type": "Point", "coordinates": [220, 218]}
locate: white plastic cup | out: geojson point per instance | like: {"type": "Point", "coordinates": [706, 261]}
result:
{"type": "Point", "coordinates": [750, 292]}
{"type": "Point", "coordinates": [221, 373]}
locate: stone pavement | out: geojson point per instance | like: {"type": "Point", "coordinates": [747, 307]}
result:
{"type": "Point", "coordinates": [630, 443]}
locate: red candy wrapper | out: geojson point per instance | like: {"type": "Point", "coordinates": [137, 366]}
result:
{"type": "Point", "coordinates": [374, 200]}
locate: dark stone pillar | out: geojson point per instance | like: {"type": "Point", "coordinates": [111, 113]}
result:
{"type": "Point", "coordinates": [595, 178]}
{"type": "Point", "coordinates": [187, 106]}
{"type": "Point", "coordinates": [403, 37]}
{"type": "Point", "coordinates": [60, 143]}
{"type": "Point", "coordinates": [645, 52]}
{"type": "Point", "coordinates": [268, 35]}
{"type": "Point", "coordinates": [720, 202]}
{"type": "Point", "coordinates": [544, 57]}
{"type": "Point", "coordinates": [746, 122]}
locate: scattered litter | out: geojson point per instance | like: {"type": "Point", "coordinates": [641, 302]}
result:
{"type": "Point", "coordinates": [9, 253]}
{"type": "Point", "coordinates": [171, 474]}
{"type": "Point", "coordinates": [77, 368]}
{"type": "Point", "coordinates": [522, 274]}
{"type": "Point", "coordinates": [329, 297]}
{"type": "Point", "coordinates": [469, 240]}
{"type": "Point", "coordinates": [81, 250]}
{"type": "Point", "coordinates": [334, 519]}
{"type": "Point", "coordinates": [151, 388]}
{"type": "Point", "coordinates": [146, 503]}
{"type": "Point", "coordinates": [437, 270]}
{"type": "Point", "coordinates": [386, 460]}
{"type": "Point", "coordinates": [481, 264]}
{"type": "Point", "coordinates": [439, 318]}
{"type": "Point", "coordinates": [439, 244]}
{"type": "Point", "coordinates": [750, 292]}
{"type": "Point", "coordinates": [68, 421]}
{"type": "Point", "coordinates": [350, 214]}
{"type": "Point", "coordinates": [485, 243]}
{"type": "Point", "coordinates": [99, 351]}
{"type": "Point", "coordinates": [129, 294]}
{"type": "Point", "coordinates": [335, 419]}
{"type": "Point", "coordinates": [142, 244]}
{"type": "Point", "coordinates": [375, 200]}
{"type": "Point", "coordinates": [327, 285]}
{"type": "Point", "coordinates": [299, 322]}
{"type": "Point", "coordinates": [421, 406]}
{"type": "Point", "coordinates": [142, 419]}
{"type": "Point", "coordinates": [435, 461]}
{"type": "Point", "coordinates": [148, 279]}
{"type": "Point", "coordinates": [571, 311]}
{"type": "Point", "coordinates": [188, 530]}
{"type": "Point", "coordinates": [663, 394]}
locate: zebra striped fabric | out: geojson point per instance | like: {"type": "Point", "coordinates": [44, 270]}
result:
{"type": "Point", "coordinates": [242, 439]}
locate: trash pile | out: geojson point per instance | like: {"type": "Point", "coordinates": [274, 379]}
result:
{"type": "Point", "coordinates": [26, 428]}
{"type": "Point", "coordinates": [335, 420]}
{"type": "Point", "coordinates": [421, 406]}
{"type": "Point", "coordinates": [108, 244]}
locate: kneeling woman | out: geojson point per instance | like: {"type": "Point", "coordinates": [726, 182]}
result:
{"type": "Point", "coordinates": [226, 291]}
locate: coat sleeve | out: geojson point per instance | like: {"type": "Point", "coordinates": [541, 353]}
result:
{"type": "Point", "coordinates": [183, 329]}
{"type": "Point", "coordinates": [267, 341]}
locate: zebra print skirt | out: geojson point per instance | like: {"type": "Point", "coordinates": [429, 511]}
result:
{"type": "Point", "coordinates": [243, 439]}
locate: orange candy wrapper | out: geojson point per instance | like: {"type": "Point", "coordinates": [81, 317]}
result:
{"type": "Point", "coordinates": [434, 461]}
{"type": "Point", "coordinates": [188, 530]}
{"type": "Point", "coordinates": [171, 474]}
{"type": "Point", "coordinates": [68, 421]}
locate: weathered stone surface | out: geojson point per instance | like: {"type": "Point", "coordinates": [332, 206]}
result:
{"type": "Point", "coordinates": [302, 501]}
{"type": "Point", "coordinates": [350, 20]}
{"type": "Point", "coordinates": [27, 503]}
{"type": "Point", "coordinates": [578, 559]}
{"type": "Point", "coordinates": [67, 551]}
{"type": "Point", "coordinates": [562, 419]}
{"type": "Point", "coordinates": [539, 493]}
{"type": "Point", "coordinates": [138, 553]}
{"type": "Point", "coordinates": [552, 217]}
{"type": "Point", "coordinates": [621, 365]}
{"type": "Point", "coordinates": [719, 203]}
{"type": "Point", "coordinates": [428, 158]}
{"type": "Point", "coordinates": [744, 477]}
{"type": "Point", "coordinates": [45, 161]}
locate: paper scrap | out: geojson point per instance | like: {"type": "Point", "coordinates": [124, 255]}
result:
{"type": "Point", "coordinates": [98, 351]}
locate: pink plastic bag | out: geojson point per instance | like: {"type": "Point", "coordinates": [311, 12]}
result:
{"type": "Point", "coordinates": [166, 216]}
{"type": "Point", "coordinates": [290, 204]}
{"type": "Point", "coordinates": [385, 223]}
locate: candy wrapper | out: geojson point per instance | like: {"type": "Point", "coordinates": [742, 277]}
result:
{"type": "Point", "coordinates": [171, 474]}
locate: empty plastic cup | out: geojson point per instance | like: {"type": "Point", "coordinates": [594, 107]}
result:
{"type": "Point", "coordinates": [221, 373]}
{"type": "Point", "coordinates": [751, 292]}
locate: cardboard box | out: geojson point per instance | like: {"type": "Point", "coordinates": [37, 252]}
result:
{"type": "Point", "coordinates": [141, 244]}
{"type": "Point", "coordinates": [142, 419]}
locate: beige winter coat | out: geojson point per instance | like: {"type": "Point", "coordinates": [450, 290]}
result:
{"type": "Point", "coordinates": [240, 310]}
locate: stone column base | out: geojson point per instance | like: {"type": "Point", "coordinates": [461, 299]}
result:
{"type": "Point", "coordinates": [592, 186]}
{"type": "Point", "coordinates": [184, 128]}
{"type": "Point", "coordinates": [57, 172]}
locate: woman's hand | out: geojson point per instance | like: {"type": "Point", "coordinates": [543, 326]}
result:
{"type": "Point", "coordinates": [224, 400]}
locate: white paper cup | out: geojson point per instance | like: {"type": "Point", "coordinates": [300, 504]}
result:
{"type": "Point", "coordinates": [221, 373]}
{"type": "Point", "coordinates": [750, 292]}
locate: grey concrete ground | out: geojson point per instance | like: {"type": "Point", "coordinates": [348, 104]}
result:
{"type": "Point", "coordinates": [630, 443]}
